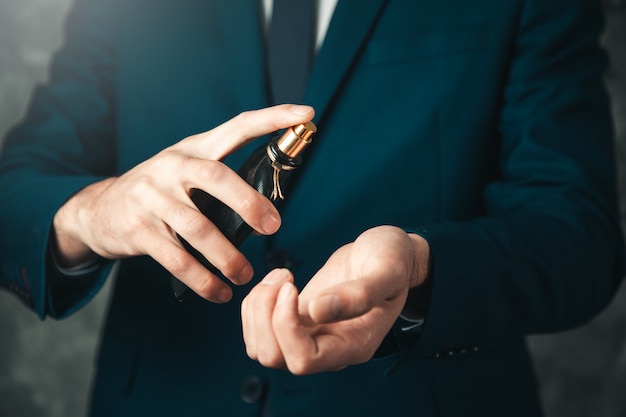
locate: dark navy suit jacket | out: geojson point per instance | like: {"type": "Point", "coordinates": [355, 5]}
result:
{"type": "Point", "coordinates": [483, 125]}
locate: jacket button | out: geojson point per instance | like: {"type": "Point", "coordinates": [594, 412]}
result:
{"type": "Point", "coordinates": [252, 389]}
{"type": "Point", "coordinates": [278, 258]}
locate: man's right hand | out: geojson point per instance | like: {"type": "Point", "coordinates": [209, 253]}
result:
{"type": "Point", "coordinates": [141, 211]}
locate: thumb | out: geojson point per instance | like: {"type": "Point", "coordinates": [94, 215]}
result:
{"type": "Point", "coordinates": [352, 299]}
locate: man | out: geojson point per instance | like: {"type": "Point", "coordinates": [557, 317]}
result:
{"type": "Point", "coordinates": [460, 195]}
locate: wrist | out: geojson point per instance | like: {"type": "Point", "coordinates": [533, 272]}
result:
{"type": "Point", "coordinates": [65, 242]}
{"type": "Point", "coordinates": [68, 251]}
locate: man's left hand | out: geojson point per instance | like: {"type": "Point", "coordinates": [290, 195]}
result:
{"type": "Point", "coordinates": [342, 315]}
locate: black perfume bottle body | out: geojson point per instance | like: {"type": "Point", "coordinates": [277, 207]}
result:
{"type": "Point", "coordinates": [268, 170]}
{"type": "Point", "coordinates": [258, 171]}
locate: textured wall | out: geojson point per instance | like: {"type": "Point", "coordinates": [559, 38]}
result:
{"type": "Point", "coordinates": [45, 367]}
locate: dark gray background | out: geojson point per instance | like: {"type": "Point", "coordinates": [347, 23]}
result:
{"type": "Point", "coordinates": [45, 367]}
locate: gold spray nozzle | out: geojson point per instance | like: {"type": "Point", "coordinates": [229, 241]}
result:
{"type": "Point", "coordinates": [296, 138]}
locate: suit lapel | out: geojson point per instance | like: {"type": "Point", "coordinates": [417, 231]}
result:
{"type": "Point", "coordinates": [349, 28]}
{"type": "Point", "coordinates": [241, 25]}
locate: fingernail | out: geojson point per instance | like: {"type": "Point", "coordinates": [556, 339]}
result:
{"type": "Point", "coordinates": [301, 110]}
{"type": "Point", "coordinates": [330, 306]}
{"type": "Point", "coordinates": [274, 277]}
{"type": "Point", "coordinates": [284, 294]}
{"type": "Point", "coordinates": [270, 223]}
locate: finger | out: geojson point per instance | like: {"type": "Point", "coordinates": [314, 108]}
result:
{"type": "Point", "coordinates": [174, 207]}
{"type": "Point", "coordinates": [205, 237]}
{"type": "Point", "coordinates": [168, 252]}
{"type": "Point", "coordinates": [257, 310]}
{"type": "Point", "coordinates": [225, 185]}
{"type": "Point", "coordinates": [251, 124]}
{"type": "Point", "coordinates": [247, 328]}
{"type": "Point", "coordinates": [143, 231]}
{"type": "Point", "coordinates": [295, 340]}
{"type": "Point", "coordinates": [356, 297]}
{"type": "Point", "coordinates": [260, 308]}
{"type": "Point", "coordinates": [309, 349]}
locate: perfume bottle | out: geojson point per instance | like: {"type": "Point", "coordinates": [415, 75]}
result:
{"type": "Point", "coordinates": [268, 170]}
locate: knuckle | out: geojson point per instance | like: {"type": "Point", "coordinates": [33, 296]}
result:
{"type": "Point", "coordinates": [397, 267]}
{"type": "Point", "coordinates": [252, 202]}
{"type": "Point", "coordinates": [173, 158]}
{"type": "Point", "coordinates": [247, 203]}
{"type": "Point", "coordinates": [206, 288]}
{"type": "Point", "coordinates": [211, 171]}
{"type": "Point", "coordinates": [174, 261]}
{"type": "Point", "coordinates": [140, 188]}
{"type": "Point", "coordinates": [194, 224]}
{"type": "Point", "coordinates": [381, 264]}
{"type": "Point", "coordinates": [264, 299]}
{"type": "Point", "coordinates": [361, 298]}
{"type": "Point", "coordinates": [269, 359]}
{"type": "Point", "coordinates": [300, 367]}
{"type": "Point", "coordinates": [252, 207]}
{"type": "Point", "coordinates": [186, 163]}
{"type": "Point", "coordinates": [231, 264]}
{"type": "Point", "coordinates": [135, 225]}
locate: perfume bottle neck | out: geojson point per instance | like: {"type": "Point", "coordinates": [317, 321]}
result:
{"type": "Point", "coordinates": [281, 160]}
{"type": "Point", "coordinates": [285, 153]}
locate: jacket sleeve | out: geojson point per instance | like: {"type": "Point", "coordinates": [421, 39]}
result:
{"type": "Point", "coordinates": [548, 255]}
{"type": "Point", "coordinates": [65, 142]}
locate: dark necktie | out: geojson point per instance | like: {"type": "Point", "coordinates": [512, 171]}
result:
{"type": "Point", "coordinates": [290, 49]}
